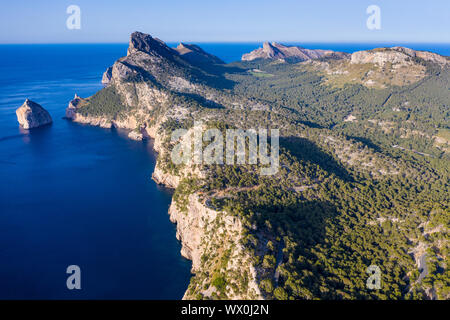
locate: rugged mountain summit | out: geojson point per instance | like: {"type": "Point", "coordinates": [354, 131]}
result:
{"type": "Point", "coordinates": [338, 202]}
{"type": "Point", "coordinates": [146, 43]}
{"type": "Point", "coordinates": [32, 115]}
{"type": "Point", "coordinates": [278, 51]}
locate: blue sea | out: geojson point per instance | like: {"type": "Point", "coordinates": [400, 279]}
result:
{"type": "Point", "coordinates": [72, 194]}
{"type": "Point", "coordinates": [230, 52]}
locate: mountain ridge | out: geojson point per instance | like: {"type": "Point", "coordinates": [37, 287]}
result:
{"type": "Point", "coordinates": [231, 221]}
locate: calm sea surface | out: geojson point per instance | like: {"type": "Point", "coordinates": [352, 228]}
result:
{"type": "Point", "coordinates": [77, 195]}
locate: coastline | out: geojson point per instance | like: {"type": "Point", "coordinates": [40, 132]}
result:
{"type": "Point", "coordinates": [197, 228]}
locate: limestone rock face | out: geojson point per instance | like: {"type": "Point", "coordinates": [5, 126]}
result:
{"type": "Point", "coordinates": [32, 115]}
{"type": "Point", "coordinates": [73, 114]}
{"type": "Point", "coordinates": [134, 135]}
{"type": "Point", "coordinates": [145, 43]}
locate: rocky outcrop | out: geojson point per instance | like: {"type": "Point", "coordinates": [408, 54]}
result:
{"type": "Point", "coordinates": [380, 57]}
{"type": "Point", "coordinates": [145, 80]}
{"type": "Point", "coordinates": [201, 230]}
{"type": "Point", "coordinates": [153, 46]}
{"type": "Point", "coordinates": [107, 76]}
{"type": "Point", "coordinates": [379, 67]}
{"type": "Point", "coordinates": [157, 87]}
{"type": "Point", "coordinates": [278, 51]}
{"type": "Point", "coordinates": [73, 114]}
{"type": "Point", "coordinates": [32, 115]}
{"type": "Point", "coordinates": [71, 110]}
{"type": "Point", "coordinates": [165, 179]}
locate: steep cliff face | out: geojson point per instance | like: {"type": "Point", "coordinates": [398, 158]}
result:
{"type": "Point", "coordinates": [379, 68]}
{"type": "Point", "coordinates": [212, 240]}
{"type": "Point", "coordinates": [231, 221]}
{"type": "Point", "coordinates": [278, 51]}
{"type": "Point", "coordinates": [32, 115]}
{"type": "Point", "coordinates": [107, 76]}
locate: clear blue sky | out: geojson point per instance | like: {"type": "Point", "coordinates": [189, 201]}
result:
{"type": "Point", "coordinates": [44, 21]}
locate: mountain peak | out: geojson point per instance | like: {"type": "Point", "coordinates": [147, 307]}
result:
{"type": "Point", "coordinates": [32, 115]}
{"type": "Point", "coordinates": [194, 54]}
{"type": "Point", "coordinates": [276, 50]}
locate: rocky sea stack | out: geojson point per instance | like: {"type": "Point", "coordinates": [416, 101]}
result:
{"type": "Point", "coordinates": [32, 115]}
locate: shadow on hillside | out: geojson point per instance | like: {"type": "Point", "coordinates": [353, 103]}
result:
{"type": "Point", "coordinates": [306, 150]}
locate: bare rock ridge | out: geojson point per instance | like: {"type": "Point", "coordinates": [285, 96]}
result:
{"type": "Point", "coordinates": [32, 115]}
{"type": "Point", "coordinates": [151, 56]}
{"type": "Point", "coordinates": [278, 51]}
{"type": "Point", "coordinates": [139, 97]}
{"type": "Point", "coordinates": [151, 91]}
{"type": "Point", "coordinates": [190, 52]}
{"type": "Point", "coordinates": [107, 76]}
{"type": "Point", "coordinates": [380, 56]}
{"type": "Point", "coordinates": [195, 54]}
{"type": "Point", "coordinates": [395, 55]}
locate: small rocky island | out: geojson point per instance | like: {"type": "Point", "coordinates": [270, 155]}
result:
{"type": "Point", "coordinates": [32, 115]}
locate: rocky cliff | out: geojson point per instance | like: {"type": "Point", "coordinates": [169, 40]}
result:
{"type": "Point", "coordinates": [211, 238]}
{"type": "Point", "coordinates": [275, 51]}
{"type": "Point", "coordinates": [32, 115]}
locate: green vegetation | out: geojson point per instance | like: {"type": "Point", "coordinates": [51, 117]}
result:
{"type": "Point", "coordinates": [350, 192]}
